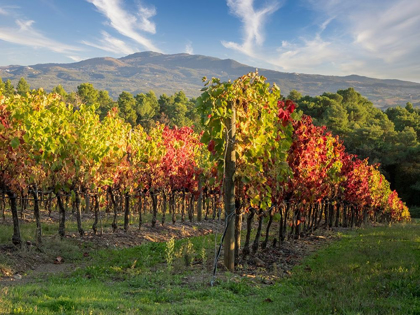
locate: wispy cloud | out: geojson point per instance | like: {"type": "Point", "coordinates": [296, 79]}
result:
{"type": "Point", "coordinates": [111, 44]}
{"type": "Point", "coordinates": [188, 48]}
{"type": "Point", "coordinates": [253, 24]}
{"type": "Point", "coordinates": [306, 56]}
{"type": "Point", "coordinates": [144, 23]}
{"type": "Point", "coordinates": [390, 33]}
{"type": "Point", "coordinates": [128, 24]}
{"type": "Point", "coordinates": [9, 10]}
{"type": "Point", "coordinates": [25, 34]}
{"type": "Point", "coordinates": [309, 54]}
{"type": "Point", "coordinates": [379, 38]}
{"type": "Point", "coordinates": [367, 37]}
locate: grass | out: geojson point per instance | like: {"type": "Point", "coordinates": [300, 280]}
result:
{"type": "Point", "coordinates": [368, 271]}
{"type": "Point", "coordinates": [371, 271]}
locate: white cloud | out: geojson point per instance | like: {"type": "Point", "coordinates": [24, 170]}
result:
{"type": "Point", "coordinates": [189, 49]}
{"type": "Point", "coordinates": [144, 15]}
{"type": "Point", "coordinates": [25, 25]}
{"type": "Point", "coordinates": [26, 35]}
{"type": "Point", "coordinates": [285, 43]}
{"type": "Point", "coordinates": [307, 55]}
{"type": "Point", "coordinates": [75, 58]}
{"type": "Point", "coordinates": [253, 24]}
{"type": "Point", "coordinates": [128, 24]}
{"type": "Point", "coordinates": [112, 44]}
{"type": "Point", "coordinates": [10, 11]}
{"type": "Point", "coordinates": [324, 24]}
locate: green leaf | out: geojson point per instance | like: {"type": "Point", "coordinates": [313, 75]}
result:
{"type": "Point", "coordinates": [15, 142]}
{"type": "Point", "coordinates": [245, 179]}
{"type": "Point", "coordinates": [205, 138]}
{"type": "Point", "coordinates": [26, 137]}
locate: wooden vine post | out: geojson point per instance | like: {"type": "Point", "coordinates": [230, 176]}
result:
{"type": "Point", "coordinates": [229, 190]}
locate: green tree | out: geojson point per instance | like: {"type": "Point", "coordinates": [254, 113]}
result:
{"type": "Point", "coordinates": [407, 137]}
{"type": "Point", "coordinates": [73, 98]}
{"type": "Point", "coordinates": [22, 87]}
{"type": "Point", "coordinates": [334, 96]}
{"type": "Point", "coordinates": [1, 84]}
{"type": "Point", "coordinates": [59, 90]}
{"type": "Point", "coordinates": [193, 115]}
{"type": "Point", "coordinates": [313, 107]}
{"type": "Point", "coordinates": [164, 102]}
{"type": "Point", "coordinates": [127, 107]}
{"type": "Point", "coordinates": [175, 108]}
{"type": "Point", "coordinates": [403, 117]}
{"type": "Point", "coordinates": [105, 103]}
{"type": "Point", "coordinates": [336, 118]}
{"type": "Point", "coordinates": [294, 95]}
{"type": "Point", "coordinates": [9, 89]}
{"type": "Point", "coordinates": [87, 93]}
{"type": "Point", "coordinates": [180, 109]}
{"type": "Point", "coordinates": [350, 96]}
{"type": "Point", "coordinates": [409, 107]}
{"type": "Point", "coordinates": [147, 108]}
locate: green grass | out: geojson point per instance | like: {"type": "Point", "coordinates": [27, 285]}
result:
{"type": "Point", "coordinates": [368, 271]}
{"type": "Point", "coordinates": [371, 271]}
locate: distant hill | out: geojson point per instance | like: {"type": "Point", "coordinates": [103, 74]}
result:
{"type": "Point", "coordinates": [141, 72]}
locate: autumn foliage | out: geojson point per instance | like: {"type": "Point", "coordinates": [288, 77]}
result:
{"type": "Point", "coordinates": [285, 163]}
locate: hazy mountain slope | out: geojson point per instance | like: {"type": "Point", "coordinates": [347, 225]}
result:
{"type": "Point", "coordinates": [162, 73]}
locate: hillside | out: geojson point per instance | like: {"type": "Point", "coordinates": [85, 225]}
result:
{"type": "Point", "coordinates": [141, 72]}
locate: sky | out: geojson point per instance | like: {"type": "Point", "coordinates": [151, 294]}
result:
{"type": "Point", "coordinates": [375, 38]}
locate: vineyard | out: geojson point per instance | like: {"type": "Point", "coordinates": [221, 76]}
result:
{"type": "Point", "coordinates": [259, 164]}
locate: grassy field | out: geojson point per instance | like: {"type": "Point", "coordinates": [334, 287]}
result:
{"type": "Point", "coordinates": [367, 271]}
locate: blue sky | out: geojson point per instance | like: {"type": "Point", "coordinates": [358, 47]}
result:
{"type": "Point", "coordinates": [377, 38]}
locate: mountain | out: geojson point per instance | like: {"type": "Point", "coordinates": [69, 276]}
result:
{"type": "Point", "coordinates": [141, 72]}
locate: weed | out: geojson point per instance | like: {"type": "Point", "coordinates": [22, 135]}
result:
{"type": "Point", "coordinates": [169, 252]}
{"type": "Point", "coordinates": [188, 253]}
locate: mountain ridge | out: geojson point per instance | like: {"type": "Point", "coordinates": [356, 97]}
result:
{"type": "Point", "coordinates": [169, 73]}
